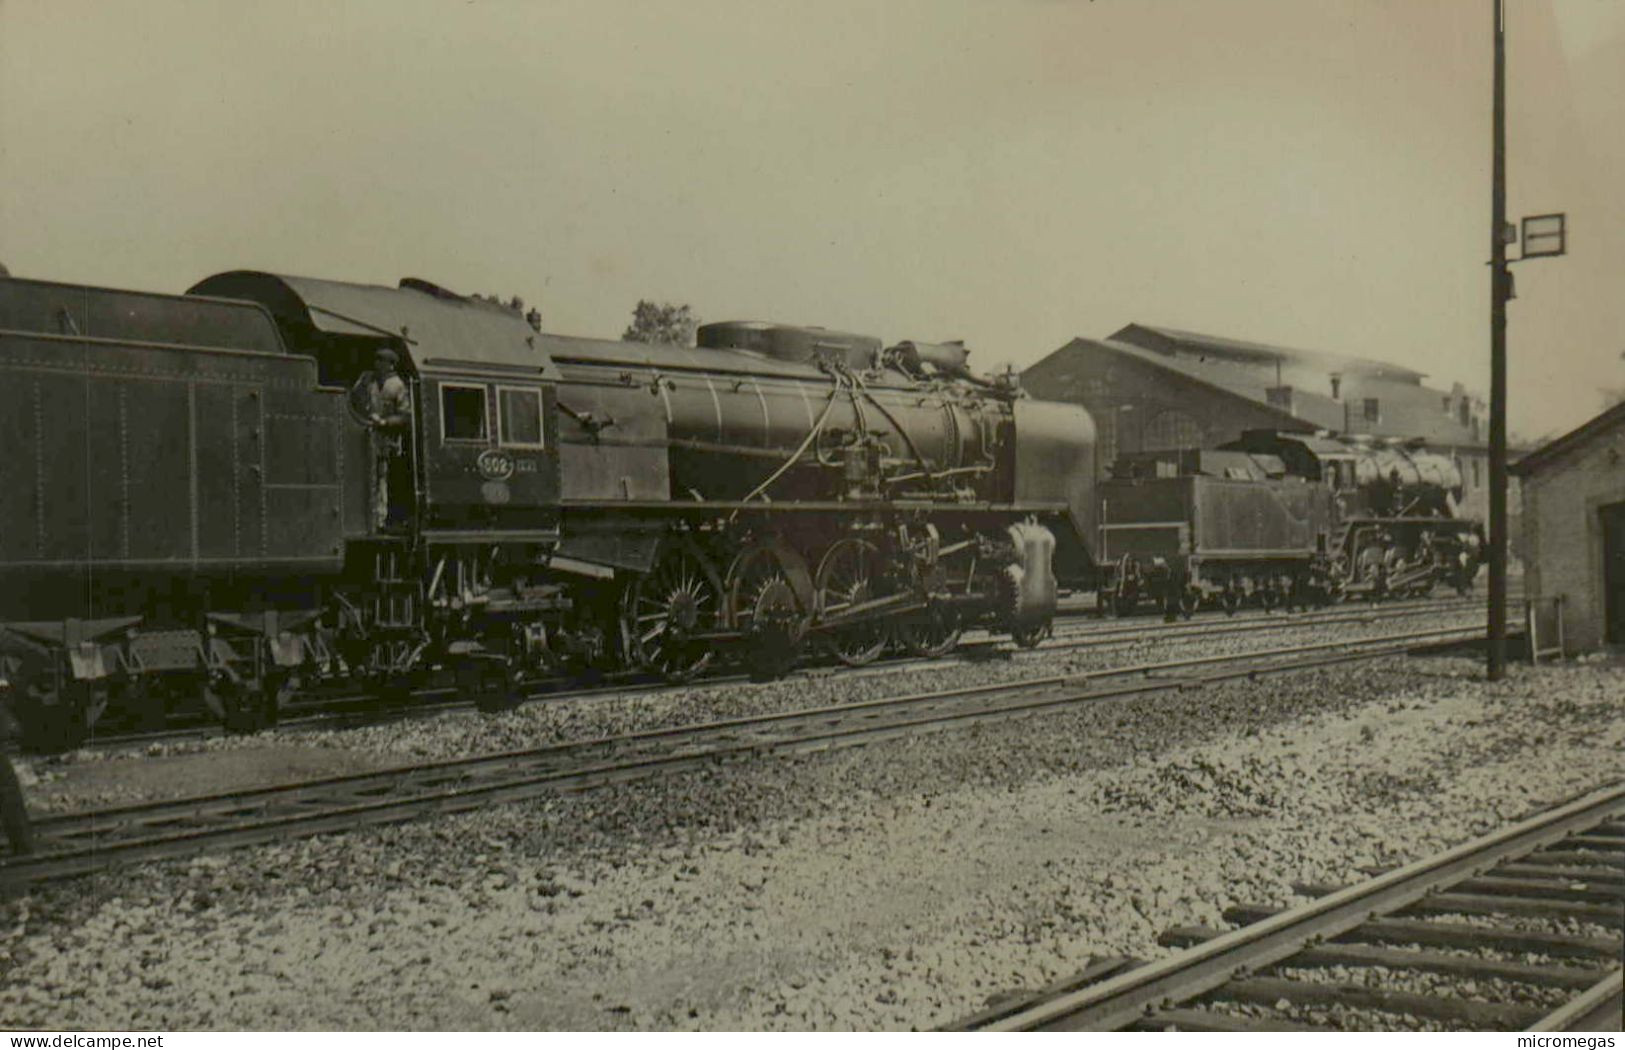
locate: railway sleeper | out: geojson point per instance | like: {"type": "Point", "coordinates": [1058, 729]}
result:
{"type": "Point", "coordinates": [1342, 954]}
{"type": "Point", "coordinates": [1272, 991]}
{"type": "Point", "coordinates": [1482, 896]}
{"type": "Point", "coordinates": [1186, 1019]}
{"type": "Point", "coordinates": [1501, 904]}
{"type": "Point", "coordinates": [1557, 857]}
{"type": "Point", "coordinates": [1589, 875]}
{"type": "Point", "coordinates": [1454, 935]}
{"type": "Point", "coordinates": [1573, 890]}
{"type": "Point", "coordinates": [1002, 1006]}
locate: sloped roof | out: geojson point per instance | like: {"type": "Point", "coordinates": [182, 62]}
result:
{"type": "Point", "coordinates": [1200, 377]}
{"type": "Point", "coordinates": [1264, 353]}
{"type": "Point", "coordinates": [431, 322]}
{"type": "Point", "coordinates": [1324, 412]}
{"type": "Point", "coordinates": [1553, 450]}
{"type": "Point", "coordinates": [1413, 411]}
{"type": "Point", "coordinates": [1408, 410]}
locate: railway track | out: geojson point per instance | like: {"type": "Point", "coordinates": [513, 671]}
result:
{"type": "Point", "coordinates": [1217, 624]}
{"type": "Point", "coordinates": [351, 711]}
{"type": "Point", "coordinates": [1463, 926]}
{"type": "Point", "coordinates": [80, 843]}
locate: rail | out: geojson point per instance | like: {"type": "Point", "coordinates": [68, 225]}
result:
{"type": "Point", "coordinates": [83, 842]}
{"type": "Point", "coordinates": [349, 710]}
{"type": "Point", "coordinates": [1564, 864]}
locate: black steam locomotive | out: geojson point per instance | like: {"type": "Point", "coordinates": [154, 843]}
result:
{"type": "Point", "coordinates": [1282, 519]}
{"type": "Point", "coordinates": [190, 503]}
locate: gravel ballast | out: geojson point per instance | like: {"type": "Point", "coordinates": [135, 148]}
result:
{"type": "Point", "coordinates": [896, 885]}
{"type": "Point", "coordinates": [96, 777]}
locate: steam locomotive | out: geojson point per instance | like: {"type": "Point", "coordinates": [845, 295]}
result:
{"type": "Point", "coordinates": [188, 494]}
{"type": "Point", "coordinates": [1282, 518]}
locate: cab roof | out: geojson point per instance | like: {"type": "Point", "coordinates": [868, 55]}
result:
{"type": "Point", "coordinates": [434, 326]}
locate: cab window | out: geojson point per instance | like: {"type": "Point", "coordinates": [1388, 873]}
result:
{"type": "Point", "coordinates": [462, 412]}
{"type": "Point", "coordinates": [520, 410]}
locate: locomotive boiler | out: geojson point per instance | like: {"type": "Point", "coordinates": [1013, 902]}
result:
{"type": "Point", "coordinates": [187, 493]}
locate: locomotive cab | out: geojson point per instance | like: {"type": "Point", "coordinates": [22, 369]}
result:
{"type": "Point", "coordinates": [489, 446]}
{"type": "Point", "coordinates": [480, 449]}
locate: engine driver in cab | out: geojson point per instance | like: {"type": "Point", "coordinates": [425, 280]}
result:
{"type": "Point", "coordinates": [387, 402]}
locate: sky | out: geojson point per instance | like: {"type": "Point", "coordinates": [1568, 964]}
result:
{"type": "Point", "coordinates": [1312, 173]}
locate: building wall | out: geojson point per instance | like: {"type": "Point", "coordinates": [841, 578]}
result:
{"type": "Point", "coordinates": [1138, 407]}
{"type": "Point", "coordinates": [1352, 396]}
{"type": "Point", "coordinates": [1563, 532]}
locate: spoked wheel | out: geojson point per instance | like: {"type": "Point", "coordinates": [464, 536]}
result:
{"type": "Point", "coordinates": [929, 632]}
{"type": "Point", "coordinates": [234, 702]}
{"type": "Point", "coordinates": [140, 703]}
{"type": "Point", "coordinates": [850, 575]}
{"type": "Point", "coordinates": [14, 822]}
{"type": "Point", "coordinates": [281, 685]}
{"type": "Point", "coordinates": [1170, 605]}
{"type": "Point", "coordinates": [1177, 598]}
{"type": "Point", "coordinates": [1268, 596]}
{"type": "Point", "coordinates": [494, 684]}
{"type": "Point", "coordinates": [764, 609]}
{"type": "Point", "coordinates": [57, 712]}
{"type": "Point", "coordinates": [1230, 600]}
{"type": "Point", "coordinates": [662, 611]}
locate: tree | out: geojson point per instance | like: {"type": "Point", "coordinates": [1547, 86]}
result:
{"type": "Point", "coordinates": [3, 271]}
{"type": "Point", "coordinates": [654, 322]}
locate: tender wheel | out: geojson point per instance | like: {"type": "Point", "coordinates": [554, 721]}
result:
{"type": "Point", "coordinates": [236, 703]}
{"type": "Point", "coordinates": [1189, 599]}
{"type": "Point", "coordinates": [1268, 597]}
{"type": "Point", "coordinates": [928, 633]}
{"type": "Point", "coordinates": [14, 822]}
{"type": "Point", "coordinates": [57, 713]}
{"type": "Point", "coordinates": [280, 686]}
{"type": "Point", "coordinates": [1173, 597]}
{"type": "Point", "coordinates": [140, 703]}
{"type": "Point", "coordinates": [661, 612]}
{"type": "Point", "coordinates": [850, 575]}
{"type": "Point", "coordinates": [1230, 600]}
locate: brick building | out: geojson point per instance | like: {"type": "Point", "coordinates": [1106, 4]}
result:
{"type": "Point", "coordinates": [1574, 528]}
{"type": "Point", "coordinates": [1152, 388]}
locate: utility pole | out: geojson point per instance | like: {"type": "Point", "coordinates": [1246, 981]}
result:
{"type": "Point", "coordinates": [1500, 278]}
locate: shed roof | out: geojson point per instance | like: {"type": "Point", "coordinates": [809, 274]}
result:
{"type": "Point", "coordinates": [1408, 409]}
{"type": "Point", "coordinates": [433, 324]}
{"type": "Point", "coordinates": [1264, 353]}
{"type": "Point", "coordinates": [1555, 449]}
{"type": "Point", "coordinates": [1164, 363]}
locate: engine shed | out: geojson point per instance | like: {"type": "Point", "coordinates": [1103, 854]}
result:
{"type": "Point", "coordinates": [1574, 531]}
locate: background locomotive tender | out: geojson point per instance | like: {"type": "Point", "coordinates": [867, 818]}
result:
{"type": "Point", "coordinates": [186, 498]}
{"type": "Point", "coordinates": [1282, 518]}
